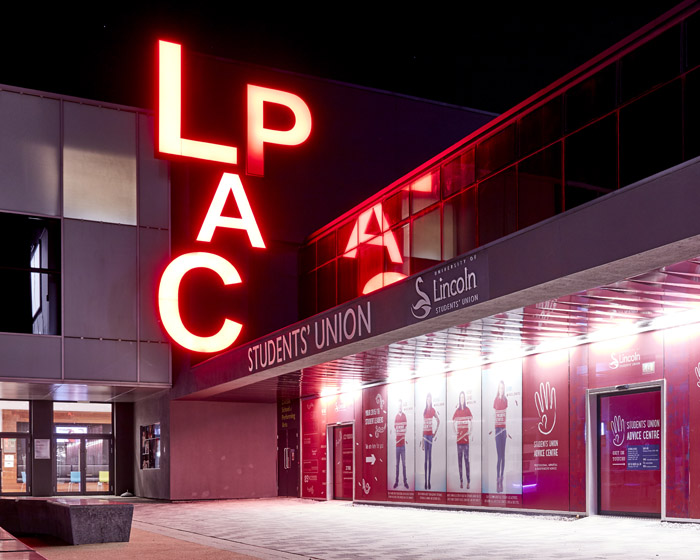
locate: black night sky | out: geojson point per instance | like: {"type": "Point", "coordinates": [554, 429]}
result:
{"type": "Point", "coordinates": [488, 56]}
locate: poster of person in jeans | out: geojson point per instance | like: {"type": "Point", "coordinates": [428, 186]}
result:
{"type": "Point", "coordinates": [400, 439]}
{"type": "Point", "coordinates": [464, 432]}
{"type": "Point", "coordinates": [430, 434]}
{"type": "Point", "coordinates": [501, 432]}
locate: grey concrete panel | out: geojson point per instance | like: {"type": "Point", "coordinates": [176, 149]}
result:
{"type": "Point", "coordinates": [29, 154]}
{"type": "Point", "coordinates": [154, 256]}
{"type": "Point", "coordinates": [154, 182]}
{"type": "Point", "coordinates": [99, 164]}
{"type": "Point", "coordinates": [103, 360]}
{"type": "Point", "coordinates": [154, 361]}
{"type": "Point", "coordinates": [30, 356]}
{"type": "Point", "coordinates": [100, 280]}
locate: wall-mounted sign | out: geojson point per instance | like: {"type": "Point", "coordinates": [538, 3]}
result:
{"type": "Point", "coordinates": [42, 449]}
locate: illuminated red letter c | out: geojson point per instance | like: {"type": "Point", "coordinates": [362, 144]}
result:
{"type": "Point", "coordinates": [169, 306]}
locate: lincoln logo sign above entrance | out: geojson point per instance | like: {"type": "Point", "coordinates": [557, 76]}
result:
{"type": "Point", "coordinates": [172, 143]}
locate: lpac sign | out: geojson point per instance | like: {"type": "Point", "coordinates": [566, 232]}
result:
{"type": "Point", "coordinates": [171, 142]}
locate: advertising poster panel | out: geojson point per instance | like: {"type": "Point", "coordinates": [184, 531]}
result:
{"type": "Point", "coordinates": [463, 420]}
{"type": "Point", "coordinates": [430, 428]}
{"type": "Point", "coordinates": [630, 453]}
{"type": "Point", "coordinates": [400, 442]}
{"type": "Point", "coordinates": [501, 434]}
{"type": "Point", "coordinates": [546, 431]}
{"type": "Point", "coordinates": [632, 359]}
{"type": "Point", "coordinates": [372, 482]}
{"type": "Point", "coordinates": [313, 449]}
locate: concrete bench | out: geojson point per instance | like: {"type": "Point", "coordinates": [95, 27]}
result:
{"type": "Point", "coordinates": [11, 548]}
{"type": "Point", "coordinates": [75, 521]}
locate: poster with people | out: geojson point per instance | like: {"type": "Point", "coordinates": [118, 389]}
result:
{"type": "Point", "coordinates": [501, 432]}
{"type": "Point", "coordinates": [463, 418]}
{"type": "Point", "coordinates": [400, 442]}
{"type": "Point", "coordinates": [430, 428]}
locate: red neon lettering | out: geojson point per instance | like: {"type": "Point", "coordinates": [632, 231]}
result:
{"type": "Point", "coordinates": [231, 183]}
{"type": "Point", "coordinates": [168, 302]}
{"type": "Point", "coordinates": [359, 235]}
{"type": "Point", "coordinates": [380, 280]}
{"type": "Point", "coordinates": [258, 135]}
{"type": "Point", "coordinates": [170, 139]}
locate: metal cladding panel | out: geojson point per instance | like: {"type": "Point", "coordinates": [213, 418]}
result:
{"type": "Point", "coordinates": [99, 164]}
{"type": "Point", "coordinates": [104, 360]}
{"type": "Point", "coordinates": [30, 356]}
{"type": "Point", "coordinates": [154, 256]}
{"type": "Point", "coordinates": [154, 362]}
{"type": "Point", "coordinates": [100, 280]}
{"type": "Point", "coordinates": [29, 154]}
{"type": "Point", "coordinates": [154, 181]}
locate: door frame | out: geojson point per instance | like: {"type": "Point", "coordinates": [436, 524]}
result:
{"type": "Point", "coordinates": [330, 458]}
{"type": "Point", "coordinates": [109, 438]}
{"type": "Point", "coordinates": [28, 462]}
{"type": "Point", "coordinates": [592, 473]}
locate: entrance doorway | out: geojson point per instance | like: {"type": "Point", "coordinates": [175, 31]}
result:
{"type": "Point", "coordinates": [13, 465]}
{"type": "Point", "coordinates": [343, 476]}
{"type": "Point", "coordinates": [83, 464]}
{"type": "Point", "coordinates": [629, 449]}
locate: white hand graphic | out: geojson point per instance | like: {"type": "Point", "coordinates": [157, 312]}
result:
{"type": "Point", "coordinates": [546, 405]}
{"type": "Point", "coordinates": [617, 426]}
{"type": "Point", "coordinates": [697, 373]}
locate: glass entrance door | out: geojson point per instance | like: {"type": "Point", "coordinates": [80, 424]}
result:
{"type": "Point", "coordinates": [13, 465]}
{"type": "Point", "coordinates": [629, 453]}
{"type": "Point", "coordinates": [83, 465]}
{"type": "Point", "coordinates": [342, 458]}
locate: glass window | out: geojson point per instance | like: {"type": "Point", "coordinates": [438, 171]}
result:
{"type": "Point", "coordinates": [325, 248]}
{"type": "Point", "coordinates": [651, 134]}
{"type": "Point", "coordinates": [325, 286]}
{"type": "Point", "coordinates": [692, 41]}
{"type": "Point", "coordinates": [497, 206]}
{"type": "Point", "coordinates": [371, 265]}
{"type": "Point", "coordinates": [691, 116]}
{"type": "Point", "coordinates": [400, 236]}
{"type": "Point", "coordinates": [651, 64]}
{"type": "Point", "coordinates": [458, 173]}
{"type": "Point", "coordinates": [307, 305]}
{"type": "Point", "coordinates": [82, 418]}
{"type": "Point", "coordinates": [307, 257]}
{"type": "Point", "coordinates": [348, 236]}
{"type": "Point", "coordinates": [541, 126]}
{"type": "Point", "coordinates": [539, 187]}
{"type": "Point", "coordinates": [425, 191]}
{"type": "Point", "coordinates": [30, 260]}
{"type": "Point", "coordinates": [425, 246]}
{"type": "Point", "coordinates": [590, 99]}
{"type": "Point", "coordinates": [459, 224]}
{"type": "Point", "coordinates": [14, 416]}
{"type": "Point", "coordinates": [496, 152]}
{"type": "Point", "coordinates": [591, 162]}
{"type": "Point", "coordinates": [347, 279]}
{"type": "Point", "coordinates": [396, 207]}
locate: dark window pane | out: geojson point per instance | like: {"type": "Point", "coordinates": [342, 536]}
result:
{"type": "Point", "coordinates": [691, 115]}
{"type": "Point", "coordinates": [396, 207]}
{"type": "Point", "coordinates": [21, 236]}
{"type": "Point", "coordinates": [325, 287]}
{"type": "Point", "coordinates": [307, 257]}
{"type": "Point", "coordinates": [650, 134]}
{"type": "Point", "coordinates": [692, 41]}
{"type": "Point", "coordinates": [458, 173]}
{"type": "Point", "coordinates": [325, 248]}
{"type": "Point", "coordinates": [371, 265]}
{"type": "Point", "coordinates": [347, 236]}
{"type": "Point", "coordinates": [497, 206]}
{"type": "Point", "coordinates": [307, 295]}
{"type": "Point", "coordinates": [425, 243]}
{"type": "Point", "coordinates": [399, 236]}
{"type": "Point", "coordinates": [459, 224]}
{"type": "Point", "coordinates": [425, 191]}
{"type": "Point", "coordinates": [347, 279]}
{"type": "Point", "coordinates": [592, 98]}
{"type": "Point", "coordinates": [496, 152]}
{"type": "Point", "coordinates": [539, 187]}
{"type": "Point", "coordinates": [591, 162]}
{"type": "Point", "coordinates": [541, 127]}
{"type": "Point", "coordinates": [654, 63]}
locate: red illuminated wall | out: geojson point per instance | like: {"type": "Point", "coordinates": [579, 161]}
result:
{"type": "Point", "coordinates": [545, 450]}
